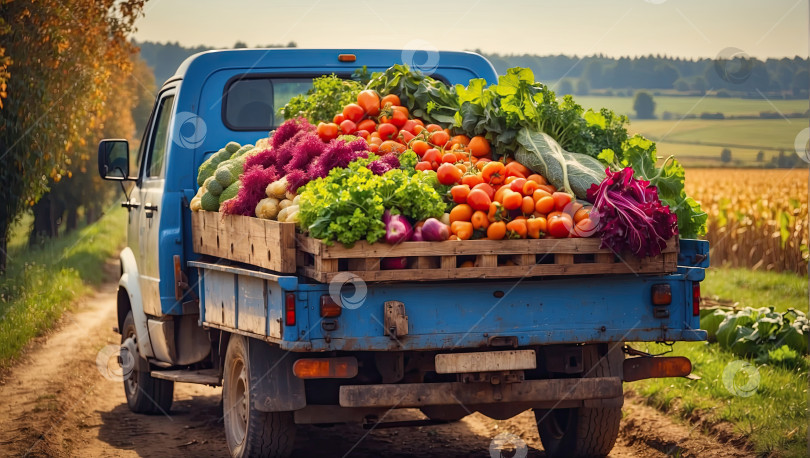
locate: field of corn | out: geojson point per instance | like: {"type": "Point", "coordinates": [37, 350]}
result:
{"type": "Point", "coordinates": [757, 218]}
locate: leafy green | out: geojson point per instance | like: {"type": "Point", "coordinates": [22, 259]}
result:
{"type": "Point", "coordinates": [327, 97]}
{"type": "Point", "coordinates": [426, 98]}
{"type": "Point", "coordinates": [640, 154]}
{"type": "Point", "coordinates": [573, 172]}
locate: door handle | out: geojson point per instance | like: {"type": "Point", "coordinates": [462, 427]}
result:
{"type": "Point", "coordinates": [149, 209]}
{"type": "Point", "coordinates": [130, 204]}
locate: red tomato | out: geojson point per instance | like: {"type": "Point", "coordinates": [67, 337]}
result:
{"type": "Point", "coordinates": [409, 126]}
{"type": "Point", "coordinates": [387, 131]}
{"type": "Point", "coordinates": [448, 174]}
{"type": "Point", "coordinates": [486, 188]}
{"type": "Point", "coordinates": [353, 112]}
{"type": "Point", "coordinates": [459, 193]}
{"type": "Point", "coordinates": [339, 118]}
{"type": "Point", "coordinates": [369, 101]}
{"type": "Point", "coordinates": [362, 133]}
{"type": "Point", "coordinates": [561, 199]}
{"type": "Point", "coordinates": [439, 138]}
{"type": "Point", "coordinates": [327, 131]}
{"type": "Point", "coordinates": [348, 127]}
{"type": "Point", "coordinates": [559, 225]}
{"type": "Point", "coordinates": [433, 127]}
{"type": "Point", "coordinates": [398, 118]}
{"type": "Point", "coordinates": [390, 146]}
{"type": "Point", "coordinates": [424, 165]}
{"type": "Point", "coordinates": [517, 185]}
{"type": "Point", "coordinates": [478, 200]}
{"type": "Point", "coordinates": [449, 157]}
{"type": "Point", "coordinates": [367, 124]}
{"type": "Point", "coordinates": [472, 180]}
{"type": "Point", "coordinates": [433, 156]}
{"type": "Point", "coordinates": [405, 137]}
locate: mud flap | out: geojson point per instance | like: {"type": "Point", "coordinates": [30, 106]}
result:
{"type": "Point", "coordinates": [275, 388]}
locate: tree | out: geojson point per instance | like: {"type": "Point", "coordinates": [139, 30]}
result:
{"type": "Point", "coordinates": [63, 54]}
{"type": "Point", "coordinates": [583, 88]}
{"type": "Point", "coordinates": [760, 156]}
{"type": "Point", "coordinates": [681, 85]}
{"type": "Point", "coordinates": [725, 156]}
{"type": "Point", "coordinates": [564, 87]}
{"type": "Point", "coordinates": [644, 105]}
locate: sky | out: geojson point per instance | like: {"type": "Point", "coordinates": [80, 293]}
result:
{"type": "Point", "coordinates": [683, 28]}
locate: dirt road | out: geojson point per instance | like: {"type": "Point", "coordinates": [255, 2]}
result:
{"type": "Point", "coordinates": [55, 402]}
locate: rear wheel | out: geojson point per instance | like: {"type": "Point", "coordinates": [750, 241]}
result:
{"type": "Point", "coordinates": [250, 432]}
{"type": "Point", "coordinates": [145, 394]}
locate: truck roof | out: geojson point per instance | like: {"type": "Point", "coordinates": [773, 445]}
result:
{"type": "Point", "coordinates": [299, 59]}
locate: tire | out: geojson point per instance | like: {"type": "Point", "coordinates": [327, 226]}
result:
{"type": "Point", "coordinates": [144, 393]}
{"type": "Point", "coordinates": [583, 431]}
{"type": "Point", "coordinates": [250, 432]}
{"type": "Point", "coordinates": [447, 414]}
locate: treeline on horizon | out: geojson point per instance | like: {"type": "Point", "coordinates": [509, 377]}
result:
{"type": "Point", "coordinates": [599, 74]}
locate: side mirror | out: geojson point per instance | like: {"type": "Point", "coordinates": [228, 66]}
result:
{"type": "Point", "coordinates": [113, 160]}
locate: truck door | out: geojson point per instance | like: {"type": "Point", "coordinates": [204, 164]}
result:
{"type": "Point", "coordinates": [150, 192]}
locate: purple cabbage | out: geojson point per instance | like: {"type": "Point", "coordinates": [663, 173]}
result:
{"type": "Point", "coordinates": [629, 215]}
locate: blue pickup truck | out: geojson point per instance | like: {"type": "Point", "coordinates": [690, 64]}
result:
{"type": "Point", "coordinates": [285, 355]}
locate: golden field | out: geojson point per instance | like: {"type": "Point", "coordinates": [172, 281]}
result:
{"type": "Point", "coordinates": [757, 218]}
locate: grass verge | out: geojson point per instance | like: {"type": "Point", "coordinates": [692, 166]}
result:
{"type": "Point", "coordinates": [773, 417]}
{"type": "Point", "coordinates": [42, 282]}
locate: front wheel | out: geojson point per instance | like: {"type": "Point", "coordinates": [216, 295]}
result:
{"type": "Point", "coordinates": [248, 431]}
{"type": "Point", "coordinates": [145, 394]}
{"type": "Point", "coordinates": [579, 431]}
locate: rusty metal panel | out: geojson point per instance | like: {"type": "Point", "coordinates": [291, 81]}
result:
{"type": "Point", "coordinates": [485, 361]}
{"type": "Point", "coordinates": [251, 301]}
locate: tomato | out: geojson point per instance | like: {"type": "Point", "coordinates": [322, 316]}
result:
{"type": "Point", "coordinates": [517, 184]}
{"type": "Point", "coordinates": [581, 214]}
{"type": "Point", "coordinates": [390, 146]}
{"type": "Point", "coordinates": [327, 131]}
{"type": "Point", "coordinates": [423, 165]}
{"type": "Point", "coordinates": [496, 230]}
{"type": "Point", "coordinates": [433, 156]}
{"type": "Point", "coordinates": [369, 101]}
{"type": "Point", "coordinates": [418, 128]}
{"type": "Point", "coordinates": [462, 229]}
{"type": "Point", "coordinates": [496, 212]}
{"type": "Point", "coordinates": [462, 212]}
{"type": "Point", "coordinates": [537, 194]}
{"type": "Point", "coordinates": [515, 168]}
{"type": "Point", "coordinates": [559, 225]}
{"type": "Point", "coordinates": [479, 220]}
{"type": "Point", "coordinates": [409, 126]}
{"type": "Point", "coordinates": [373, 147]}
{"type": "Point", "coordinates": [353, 112]}
{"type": "Point", "coordinates": [479, 146]}
{"type": "Point", "coordinates": [367, 124]}
{"type": "Point", "coordinates": [486, 188]}
{"type": "Point", "coordinates": [390, 99]}
{"type": "Point", "coordinates": [449, 157]}
{"type": "Point", "coordinates": [536, 227]}
{"type": "Point", "coordinates": [439, 138]}
{"type": "Point", "coordinates": [398, 118]}
{"type": "Point", "coordinates": [511, 200]}
{"type": "Point", "coordinates": [419, 147]}
{"type": "Point", "coordinates": [448, 174]}
{"type": "Point", "coordinates": [433, 128]}
{"type": "Point", "coordinates": [348, 127]}
{"type": "Point", "coordinates": [362, 133]}
{"type": "Point", "coordinates": [561, 199]}
{"type": "Point", "coordinates": [461, 140]}
{"type": "Point", "coordinates": [544, 205]}
{"type": "Point", "coordinates": [472, 180]}
{"type": "Point", "coordinates": [401, 109]}
{"type": "Point", "coordinates": [529, 188]}
{"type": "Point", "coordinates": [493, 172]}
{"type": "Point", "coordinates": [517, 228]}
{"type": "Point", "coordinates": [339, 118]}
{"type": "Point", "coordinates": [549, 188]}
{"type": "Point", "coordinates": [527, 205]}
{"type": "Point", "coordinates": [387, 131]}
{"type": "Point", "coordinates": [585, 228]}
{"type": "Point", "coordinates": [459, 193]}
{"type": "Point", "coordinates": [478, 200]}
{"type": "Point", "coordinates": [405, 137]}
{"type": "Point", "coordinates": [539, 179]}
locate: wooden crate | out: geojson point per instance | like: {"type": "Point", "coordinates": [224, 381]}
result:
{"type": "Point", "coordinates": [442, 260]}
{"type": "Point", "coordinates": [259, 242]}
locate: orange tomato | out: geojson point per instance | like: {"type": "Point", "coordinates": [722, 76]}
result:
{"type": "Point", "coordinates": [536, 227]}
{"type": "Point", "coordinates": [539, 179]}
{"type": "Point", "coordinates": [461, 212]}
{"type": "Point", "coordinates": [433, 127]}
{"type": "Point", "coordinates": [471, 180]}
{"type": "Point", "coordinates": [517, 228]}
{"type": "Point", "coordinates": [537, 194]}
{"type": "Point", "coordinates": [433, 156]}
{"type": "Point", "coordinates": [512, 200]}
{"type": "Point", "coordinates": [369, 101]}
{"type": "Point", "coordinates": [529, 187]}
{"type": "Point", "coordinates": [462, 140]}
{"type": "Point", "coordinates": [479, 146]}
{"type": "Point", "coordinates": [478, 200]}
{"type": "Point", "coordinates": [515, 168]}
{"type": "Point", "coordinates": [544, 204]}
{"type": "Point", "coordinates": [390, 146]}
{"type": "Point", "coordinates": [499, 193]}
{"type": "Point", "coordinates": [459, 193]}
{"type": "Point", "coordinates": [367, 124]}
{"type": "Point", "coordinates": [493, 172]}
{"type": "Point", "coordinates": [527, 205]}
{"type": "Point", "coordinates": [327, 131]}
{"type": "Point", "coordinates": [496, 230]}
{"type": "Point", "coordinates": [585, 228]}
{"type": "Point", "coordinates": [462, 229]}
{"type": "Point", "coordinates": [548, 188]}
{"type": "Point", "coordinates": [581, 214]}
{"type": "Point", "coordinates": [439, 138]}
{"type": "Point", "coordinates": [479, 220]}
{"type": "Point", "coordinates": [561, 199]}
{"type": "Point", "coordinates": [390, 99]}
{"type": "Point", "coordinates": [419, 147]}
{"type": "Point", "coordinates": [449, 158]}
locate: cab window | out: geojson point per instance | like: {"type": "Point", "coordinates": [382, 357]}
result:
{"type": "Point", "coordinates": [160, 136]}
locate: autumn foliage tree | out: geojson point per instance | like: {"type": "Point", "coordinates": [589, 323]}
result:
{"type": "Point", "coordinates": [63, 55]}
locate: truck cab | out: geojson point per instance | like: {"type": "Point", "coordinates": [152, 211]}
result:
{"type": "Point", "coordinates": [557, 346]}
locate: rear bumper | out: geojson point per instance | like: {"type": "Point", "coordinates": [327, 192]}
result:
{"type": "Point", "coordinates": [529, 391]}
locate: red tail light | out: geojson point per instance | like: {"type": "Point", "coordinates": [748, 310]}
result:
{"type": "Point", "coordinates": [289, 309]}
{"type": "Point", "coordinates": [695, 298]}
